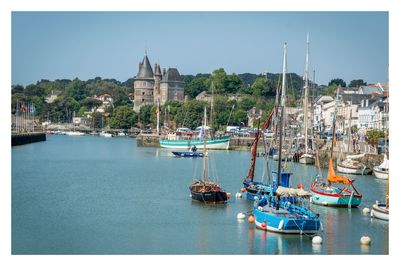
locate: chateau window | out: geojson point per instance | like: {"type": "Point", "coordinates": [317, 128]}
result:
{"type": "Point", "coordinates": [142, 92]}
{"type": "Point", "coordinates": [142, 100]}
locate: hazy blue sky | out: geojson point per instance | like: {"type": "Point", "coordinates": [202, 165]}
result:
{"type": "Point", "coordinates": [55, 45]}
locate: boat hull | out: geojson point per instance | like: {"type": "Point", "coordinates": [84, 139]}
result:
{"type": "Point", "coordinates": [210, 197]}
{"type": "Point", "coordinates": [275, 157]}
{"type": "Point", "coordinates": [379, 211]}
{"type": "Point", "coordinates": [188, 154]}
{"type": "Point", "coordinates": [381, 174]}
{"type": "Point", "coordinates": [285, 225]}
{"type": "Point", "coordinates": [307, 159]}
{"type": "Point", "coordinates": [334, 200]}
{"type": "Point", "coordinates": [350, 170]}
{"type": "Point", "coordinates": [213, 144]}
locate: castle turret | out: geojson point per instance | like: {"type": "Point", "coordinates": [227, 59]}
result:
{"type": "Point", "coordinates": [143, 84]}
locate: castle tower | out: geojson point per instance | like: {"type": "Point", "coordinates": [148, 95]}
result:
{"type": "Point", "coordinates": [171, 86]}
{"type": "Point", "coordinates": [157, 80]}
{"type": "Point", "coordinates": [143, 84]}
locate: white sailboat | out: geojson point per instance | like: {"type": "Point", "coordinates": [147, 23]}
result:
{"type": "Point", "coordinates": [307, 157]}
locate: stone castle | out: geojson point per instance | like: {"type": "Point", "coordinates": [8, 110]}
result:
{"type": "Point", "coordinates": [152, 85]}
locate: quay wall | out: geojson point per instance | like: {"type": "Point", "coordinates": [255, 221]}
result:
{"type": "Point", "coordinates": [26, 138]}
{"type": "Point", "coordinates": [147, 140]}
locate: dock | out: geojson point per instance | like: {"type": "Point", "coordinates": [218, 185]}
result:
{"type": "Point", "coordinates": [26, 138]}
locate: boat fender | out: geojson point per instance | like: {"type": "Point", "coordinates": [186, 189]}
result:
{"type": "Point", "coordinates": [365, 210]}
{"type": "Point", "coordinates": [264, 225]}
{"type": "Point", "coordinates": [372, 213]}
{"type": "Point", "coordinates": [365, 240]}
{"type": "Point", "coordinates": [280, 225]}
{"type": "Point", "coordinates": [238, 195]}
{"type": "Point", "coordinates": [242, 189]}
{"type": "Point", "coordinates": [241, 216]}
{"type": "Point", "coordinates": [259, 208]}
{"type": "Point", "coordinates": [228, 195]}
{"type": "Point", "coordinates": [317, 240]}
{"type": "Point", "coordinates": [251, 219]}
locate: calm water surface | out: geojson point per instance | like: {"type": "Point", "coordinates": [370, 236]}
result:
{"type": "Point", "coordinates": [94, 195]}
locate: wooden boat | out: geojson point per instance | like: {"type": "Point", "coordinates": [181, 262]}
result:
{"type": "Point", "coordinates": [380, 211]}
{"type": "Point", "coordinates": [307, 158]}
{"type": "Point", "coordinates": [336, 196]}
{"type": "Point", "coordinates": [350, 166]}
{"type": "Point", "coordinates": [344, 194]}
{"type": "Point", "coordinates": [382, 171]}
{"type": "Point", "coordinates": [204, 190]}
{"type": "Point", "coordinates": [284, 217]}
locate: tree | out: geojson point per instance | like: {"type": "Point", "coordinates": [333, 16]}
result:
{"type": "Point", "coordinates": [218, 77]}
{"type": "Point", "coordinates": [17, 89]}
{"type": "Point", "coordinates": [331, 90]}
{"type": "Point", "coordinates": [194, 87]}
{"type": "Point", "coordinates": [90, 103]}
{"type": "Point", "coordinates": [239, 118]}
{"type": "Point", "coordinates": [246, 103]}
{"type": "Point", "coordinates": [34, 90]}
{"type": "Point", "coordinates": [145, 115]}
{"type": "Point", "coordinates": [261, 87]}
{"type": "Point", "coordinates": [357, 83]}
{"type": "Point", "coordinates": [123, 117]}
{"type": "Point", "coordinates": [338, 82]}
{"type": "Point", "coordinates": [76, 90]}
{"type": "Point", "coordinates": [232, 83]}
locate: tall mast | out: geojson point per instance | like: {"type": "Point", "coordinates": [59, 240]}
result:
{"type": "Point", "coordinates": [312, 111]}
{"type": "Point", "coordinates": [158, 115]}
{"type": "Point", "coordinates": [282, 120]}
{"type": "Point", "coordinates": [334, 121]}
{"type": "Point", "coordinates": [306, 98]}
{"type": "Point", "coordinates": [205, 146]}
{"type": "Point", "coordinates": [212, 107]}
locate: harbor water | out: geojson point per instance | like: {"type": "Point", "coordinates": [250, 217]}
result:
{"type": "Point", "coordinates": [95, 195]}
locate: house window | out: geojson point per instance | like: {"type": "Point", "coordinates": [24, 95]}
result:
{"type": "Point", "coordinates": [142, 100]}
{"type": "Point", "coordinates": [142, 92]}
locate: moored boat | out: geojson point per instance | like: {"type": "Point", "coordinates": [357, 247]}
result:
{"type": "Point", "coordinates": [188, 154]}
{"type": "Point", "coordinates": [307, 158]}
{"type": "Point", "coordinates": [204, 190]}
{"type": "Point", "coordinates": [221, 143]}
{"type": "Point", "coordinates": [380, 211]}
{"type": "Point", "coordinates": [382, 171]}
{"type": "Point", "coordinates": [350, 166]}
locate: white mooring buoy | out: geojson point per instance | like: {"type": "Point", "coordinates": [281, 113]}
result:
{"type": "Point", "coordinates": [238, 195]}
{"type": "Point", "coordinates": [366, 210]}
{"type": "Point", "coordinates": [241, 215]}
{"type": "Point", "coordinates": [317, 240]}
{"type": "Point", "coordinates": [365, 240]}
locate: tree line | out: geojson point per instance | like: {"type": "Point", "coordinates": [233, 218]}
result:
{"type": "Point", "coordinates": [74, 98]}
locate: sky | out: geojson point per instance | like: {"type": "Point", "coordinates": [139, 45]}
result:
{"type": "Point", "coordinates": [57, 45]}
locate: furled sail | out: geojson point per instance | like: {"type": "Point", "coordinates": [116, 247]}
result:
{"type": "Point", "coordinates": [292, 192]}
{"type": "Point", "coordinates": [385, 164]}
{"type": "Point", "coordinates": [332, 177]}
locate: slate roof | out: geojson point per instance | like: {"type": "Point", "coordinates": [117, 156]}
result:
{"type": "Point", "coordinates": [172, 75]}
{"type": "Point", "coordinates": [145, 70]}
{"type": "Point", "coordinates": [355, 98]}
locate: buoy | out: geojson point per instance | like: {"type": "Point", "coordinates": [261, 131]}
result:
{"type": "Point", "coordinates": [317, 240]}
{"type": "Point", "coordinates": [300, 185]}
{"type": "Point", "coordinates": [228, 195]}
{"type": "Point", "coordinates": [238, 195]}
{"type": "Point", "coordinates": [190, 195]}
{"type": "Point", "coordinates": [259, 208]}
{"type": "Point", "coordinates": [365, 210]}
{"type": "Point", "coordinates": [251, 219]}
{"type": "Point", "coordinates": [263, 224]}
{"type": "Point", "coordinates": [241, 215]}
{"type": "Point", "coordinates": [365, 240]}
{"type": "Point", "coordinates": [243, 189]}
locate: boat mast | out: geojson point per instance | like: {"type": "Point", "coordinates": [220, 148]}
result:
{"type": "Point", "coordinates": [205, 147]}
{"type": "Point", "coordinates": [281, 122]}
{"type": "Point", "coordinates": [334, 121]}
{"type": "Point", "coordinates": [312, 111]}
{"type": "Point", "coordinates": [158, 115]}
{"type": "Point", "coordinates": [212, 107]}
{"type": "Point", "coordinates": [306, 99]}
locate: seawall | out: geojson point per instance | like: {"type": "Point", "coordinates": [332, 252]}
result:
{"type": "Point", "coordinates": [26, 138]}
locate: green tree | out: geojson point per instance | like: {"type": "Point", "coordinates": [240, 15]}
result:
{"type": "Point", "coordinates": [357, 83]}
{"type": "Point", "coordinates": [194, 87]}
{"type": "Point", "coordinates": [261, 87]}
{"type": "Point", "coordinates": [17, 89]}
{"type": "Point", "coordinates": [331, 90]}
{"type": "Point", "coordinates": [373, 136]}
{"type": "Point", "coordinates": [76, 90]}
{"type": "Point", "coordinates": [239, 118]}
{"type": "Point", "coordinates": [145, 115]}
{"type": "Point", "coordinates": [123, 117]}
{"type": "Point", "coordinates": [232, 83]}
{"type": "Point", "coordinates": [90, 103]}
{"type": "Point", "coordinates": [246, 103]}
{"type": "Point", "coordinates": [218, 78]}
{"type": "Point", "coordinates": [338, 82]}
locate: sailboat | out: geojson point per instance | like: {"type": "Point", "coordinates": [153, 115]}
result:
{"type": "Point", "coordinates": [382, 171]}
{"type": "Point", "coordinates": [204, 190]}
{"type": "Point", "coordinates": [342, 195]}
{"type": "Point", "coordinates": [217, 143]}
{"type": "Point", "coordinates": [307, 157]}
{"type": "Point", "coordinates": [278, 215]}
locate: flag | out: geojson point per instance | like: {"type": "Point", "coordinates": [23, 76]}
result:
{"type": "Point", "coordinates": [201, 134]}
{"type": "Point", "coordinates": [32, 110]}
{"type": "Point", "coordinates": [158, 110]}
